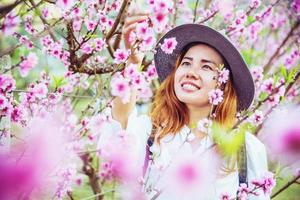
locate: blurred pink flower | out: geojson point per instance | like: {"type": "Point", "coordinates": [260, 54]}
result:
{"type": "Point", "coordinates": [266, 183]}
{"type": "Point", "coordinates": [281, 134]}
{"type": "Point", "coordinates": [28, 63]}
{"type": "Point", "coordinates": [215, 96]}
{"type": "Point", "coordinates": [65, 4]}
{"type": "Point", "coordinates": [225, 196]}
{"type": "Point", "coordinates": [255, 4]}
{"type": "Point", "coordinates": [169, 45]}
{"type": "Point", "coordinates": [243, 192]}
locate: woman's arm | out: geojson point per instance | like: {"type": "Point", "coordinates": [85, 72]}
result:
{"type": "Point", "coordinates": [121, 111]}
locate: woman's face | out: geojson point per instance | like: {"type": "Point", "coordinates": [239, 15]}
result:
{"type": "Point", "coordinates": [194, 77]}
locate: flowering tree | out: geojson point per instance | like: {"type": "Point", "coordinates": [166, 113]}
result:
{"type": "Point", "coordinates": [63, 61]}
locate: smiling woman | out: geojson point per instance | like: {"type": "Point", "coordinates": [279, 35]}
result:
{"type": "Point", "coordinates": [204, 80]}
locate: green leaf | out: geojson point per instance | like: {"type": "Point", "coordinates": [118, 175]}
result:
{"type": "Point", "coordinates": [229, 141]}
{"type": "Point", "coordinates": [284, 72]}
{"type": "Point", "coordinates": [59, 81]}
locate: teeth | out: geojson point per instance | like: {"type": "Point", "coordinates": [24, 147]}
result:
{"type": "Point", "coordinates": [189, 87]}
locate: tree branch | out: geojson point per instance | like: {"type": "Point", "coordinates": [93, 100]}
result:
{"type": "Point", "coordinates": [267, 66]}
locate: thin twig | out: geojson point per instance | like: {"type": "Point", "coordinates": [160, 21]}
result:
{"type": "Point", "coordinates": [288, 184]}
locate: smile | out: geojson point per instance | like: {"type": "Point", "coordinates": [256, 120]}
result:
{"type": "Point", "coordinates": [189, 86]}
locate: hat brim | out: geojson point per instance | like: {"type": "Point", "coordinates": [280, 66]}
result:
{"type": "Point", "coordinates": [188, 33]}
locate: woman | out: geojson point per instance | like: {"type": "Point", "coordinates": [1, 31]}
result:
{"type": "Point", "coordinates": [187, 77]}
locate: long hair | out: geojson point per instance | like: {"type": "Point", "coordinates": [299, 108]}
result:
{"type": "Point", "coordinates": [169, 115]}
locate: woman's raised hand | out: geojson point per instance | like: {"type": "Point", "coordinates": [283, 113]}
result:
{"type": "Point", "coordinates": [134, 17]}
{"type": "Point", "coordinates": [121, 111]}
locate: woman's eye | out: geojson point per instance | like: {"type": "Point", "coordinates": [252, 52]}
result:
{"type": "Point", "coordinates": [207, 67]}
{"type": "Point", "coordinates": [185, 63]}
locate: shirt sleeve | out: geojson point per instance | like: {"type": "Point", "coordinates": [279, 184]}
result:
{"type": "Point", "coordinates": [257, 164]}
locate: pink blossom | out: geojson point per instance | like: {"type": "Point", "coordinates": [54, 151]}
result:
{"type": "Point", "coordinates": [189, 176]}
{"type": "Point", "coordinates": [28, 63]}
{"type": "Point", "coordinates": [121, 55]}
{"type": "Point", "coordinates": [296, 7]}
{"type": "Point", "coordinates": [255, 4]}
{"type": "Point", "coordinates": [17, 114]}
{"type": "Point", "coordinates": [10, 23]}
{"type": "Point", "coordinates": [215, 96]}
{"type": "Point", "coordinates": [99, 44]}
{"type": "Point", "coordinates": [86, 48]}
{"type": "Point", "coordinates": [225, 196]}
{"type": "Point", "coordinates": [90, 25]}
{"type": "Point", "coordinates": [7, 83]}
{"type": "Point", "coordinates": [169, 45]}
{"type": "Point", "coordinates": [65, 4]}
{"type": "Point", "coordinates": [223, 76]}
{"type": "Point", "coordinates": [120, 87]}
{"type": "Point", "coordinates": [131, 71]}
{"type": "Point", "coordinates": [45, 13]}
{"type": "Point", "coordinates": [151, 72]}
{"type": "Point", "coordinates": [267, 85]}
{"type": "Point", "coordinates": [3, 102]}
{"type": "Point", "coordinates": [159, 20]}
{"type": "Point", "coordinates": [257, 74]}
{"type": "Point", "coordinates": [39, 90]}
{"type": "Point", "coordinates": [23, 39]}
{"type": "Point", "coordinates": [257, 117]}
{"type": "Point", "coordinates": [225, 7]}
{"type": "Point", "coordinates": [243, 192]}
{"type": "Point", "coordinates": [281, 134]}
{"type": "Point", "coordinates": [266, 183]}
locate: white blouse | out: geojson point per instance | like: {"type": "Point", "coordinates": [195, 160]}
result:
{"type": "Point", "coordinates": [140, 128]}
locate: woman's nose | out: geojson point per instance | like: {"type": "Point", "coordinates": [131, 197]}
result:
{"type": "Point", "coordinates": [192, 74]}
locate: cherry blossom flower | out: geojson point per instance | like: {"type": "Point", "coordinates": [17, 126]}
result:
{"type": "Point", "coordinates": [90, 25]}
{"type": "Point", "coordinates": [189, 175]}
{"type": "Point", "coordinates": [121, 55]}
{"type": "Point", "coordinates": [257, 117]}
{"type": "Point", "coordinates": [10, 23]}
{"type": "Point", "coordinates": [215, 96]}
{"type": "Point", "coordinates": [120, 87]}
{"type": "Point", "coordinates": [3, 102]}
{"type": "Point", "coordinates": [169, 45]}
{"type": "Point", "coordinates": [65, 4]}
{"type": "Point", "coordinates": [243, 192]}
{"type": "Point", "coordinates": [281, 134]}
{"type": "Point", "coordinates": [255, 4]}
{"type": "Point", "coordinates": [39, 90]}
{"type": "Point", "coordinates": [225, 196]}
{"type": "Point", "coordinates": [266, 183]}
{"type": "Point", "coordinates": [7, 83]}
{"type": "Point", "coordinates": [87, 48]}
{"type": "Point", "coordinates": [223, 76]}
{"type": "Point", "coordinates": [99, 44]}
{"type": "Point", "coordinates": [151, 72]}
{"type": "Point", "coordinates": [27, 64]}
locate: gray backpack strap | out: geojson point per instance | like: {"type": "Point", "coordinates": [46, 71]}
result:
{"type": "Point", "coordinates": [242, 164]}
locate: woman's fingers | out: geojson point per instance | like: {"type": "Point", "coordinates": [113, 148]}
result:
{"type": "Point", "coordinates": [134, 19]}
